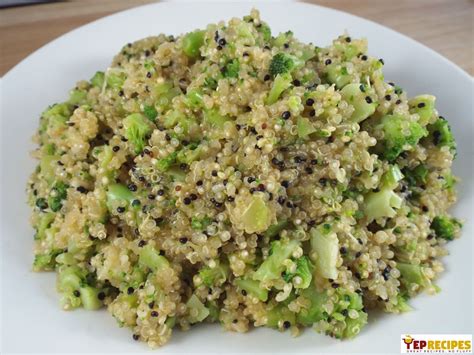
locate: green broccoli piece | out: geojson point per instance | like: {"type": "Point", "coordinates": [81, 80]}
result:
{"type": "Point", "coordinates": [399, 135]}
{"type": "Point", "coordinates": [279, 315]}
{"type": "Point", "coordinates": [150, 112]}
{"type": "Point", "coordinates": [200, 224]}
{"type": "Point", "coordinates": [347, 327]}
{"type": "Point", "coordinates": [357, 95]}
{"type": "Point", "coordinates": [326, 247]}
{"type": "Point", "coordinates": [304, 127]}
{"type": "Point", "coordinates": [256, 217]}
{"type": "Point", "coordinates": [98, 79]}
{"type": "Point", "coordinates": [252, 287]}
{"type": "Point", "coordinates": [194, 99]}
{"type": "Point", "coordinates": [231, 70]}
{"type": "Point", "coordinates": [282, 38]}
{"type": "Point", "coordinates": [411, 273]}
{"type": "Point", "coordinates": [416, 176]}
{"type": "Point", "coordinates": [136, 130]}
{"type": "Point", "coordinates": [281, 63]}
{"type": "Point", "coordinates": [46, 261]}
{"type": "Point", "coordinates": [275, 229]}
{"type": "Point", "coordinates": [210, 83]}
{"type": "Point", "coordinates": [445, 227]}
{"type": "Point", "coordinates": [215, 276]}
{"type": "Point", "coordinates": [337, 74]}
{"type": "Point", "coordinates": [164, 164]}
{"type": "Point", "coordinates": [197, 311]}
{"type": "Point", "coordinates": [315, 312]}
{"type": "Point", "coordinates": [266, 32]}
{"type": "Point", "coordinates": [424, 106]}
{"type": "Point", "coordinates": [43, 225]}
{"type": "Point", "coordinates": [441, 134]}
{"type": "Point", "coordinates": [115, 78]}
{"type": "Point", "coordinates": [272, 266]}
{"type": "Point", "coordinates": [214, 118]}
{"type": "Point", "coordinates": [118, 192]}
{"type": "Point", "coordinates": [192, 42]}
{"type": "Point", "coordinates": [57, 195]}
{"type": "Point", "coordinates": [304, 271]}
{"type": "Point", "coordinates": [280, 84]}
{"type": "Point", "coordinates": [77, 97]}
{"type": "Point", "coordinates": [391, 178]}
{"type": "Point", "coordinates": [151, 258]}
{"type": "Point", "coordinates": [381, 204]}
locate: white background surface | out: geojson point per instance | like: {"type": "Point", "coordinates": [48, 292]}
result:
{"type": "Point", "coordinates": [31, 320]}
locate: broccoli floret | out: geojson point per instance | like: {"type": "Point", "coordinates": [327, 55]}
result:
{"type": "Point", "coordinates": [231, 70]}
{"type": "Point", "coordinates": [165, 164]}
{"type": "Point", "coordinates": [43, 225]}
{"type": "Point", "coordinates": [210, 83]}
{"type": "Point", "coordinates": [214, 118]}
{"type": "Point", "coordinates": [197, 311]}
{"type": "Point", "coordinates": [115, 78]}
{"type": "Point", "coordinates": [283, 38]}
{"type": "Point", "coordinates": [304, 127]}
{"type": "Point", "coordinates": [416, 176]}
{"type": "Point", "coordinates": [200, 224]}
{"type": "Point", "coordinates": [280, 84]}
{"type": "Point", "coordinates": [279, 316]}
{"type": "Point", "coordinates": [150, 112]}
{"type": "Point", "coordinates": [441, 134]}
{"type": "Point", "coordinates": [445, 227]}
{"type": "Point", "coordinates": [303, 271]}
{"type": "Point", "coordinates": [252, 287]}
{"type": "Point", "coordinates": [136, 130]}
{"type": "Point", "coordinates": [214, 276]}
{"type": "Point", "coordinates": [266, 32]}
{"type": "Point", "coordinates": [281, 63]}
{"type": "Point", "coordinates": [272, 267]}
{"type": "Point", "coordinates": [192, 42]}
{"type": "Point", "coordinates": [399, 134]}
{"type": "Point", "coordinates": [46, 261]}
{"type": "Point", "coordinates": [325, 245]}
{"type": "Point", "coordinates": [57, 195]}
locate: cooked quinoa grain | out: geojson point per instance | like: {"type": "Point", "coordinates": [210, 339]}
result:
{"type": "Point", "coordinates": [232, 176]}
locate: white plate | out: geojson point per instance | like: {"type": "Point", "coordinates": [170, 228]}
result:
{"type": "Point", "coordinates": [31, 318]}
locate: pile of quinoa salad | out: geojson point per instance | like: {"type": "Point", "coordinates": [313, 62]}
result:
{"type": "Point", "coordinates": [237, 176]}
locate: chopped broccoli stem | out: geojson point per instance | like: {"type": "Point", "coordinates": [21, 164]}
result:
{"type": "Point", "coordinates": [115, 79]}
{"type": "Point", "coordinates": [381, 204]}
{"type": "Point", "coordinates": [304, 127]}
{"type": "Point", "coordinates": [411, 274]}
{"type": "Point", "coordinates": [424, 106]}
{"type": "Point", "coordinates": [252, 287]}
{"type": "Point", "coordinates": [279, 315]}
{"type": "Point", "coordinates": [136, 130]}
{"type": "Point", "coordinates": [280, 84]}
{"type": "Point", "coordinates": [362, 103]}
{"type": "Point", "coordinates": [337, 74]}
{"type": "Point", "coordinates": [197, 311]}
{"type": "Point", "coordinates": [391, 178]}
{"type": "Point", "coordinates": [275, 229]}
{"type": "Point", "coordinates": [151, 258]}
{"type": "Point", "coordinates": [89, 298]}
{"type": "Point", "coordinates": [272, 267]}
{"type": "Point", "coordinates": [192, 42]}
{"type": "Point", "coordinates": [256, 217]}
{"type": "Point", "coordinates": [214, 118]}
{"type": "Point", "coordinates": [118, 192]}
{"type": "Point", "coordinates": [43, 225]}
{"type": "Point", "coordinates": [98, 79]}
{"type": "Point", "coordinates": [77, 97]}
{"type": "Point", "coordinates": [326, 247]}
